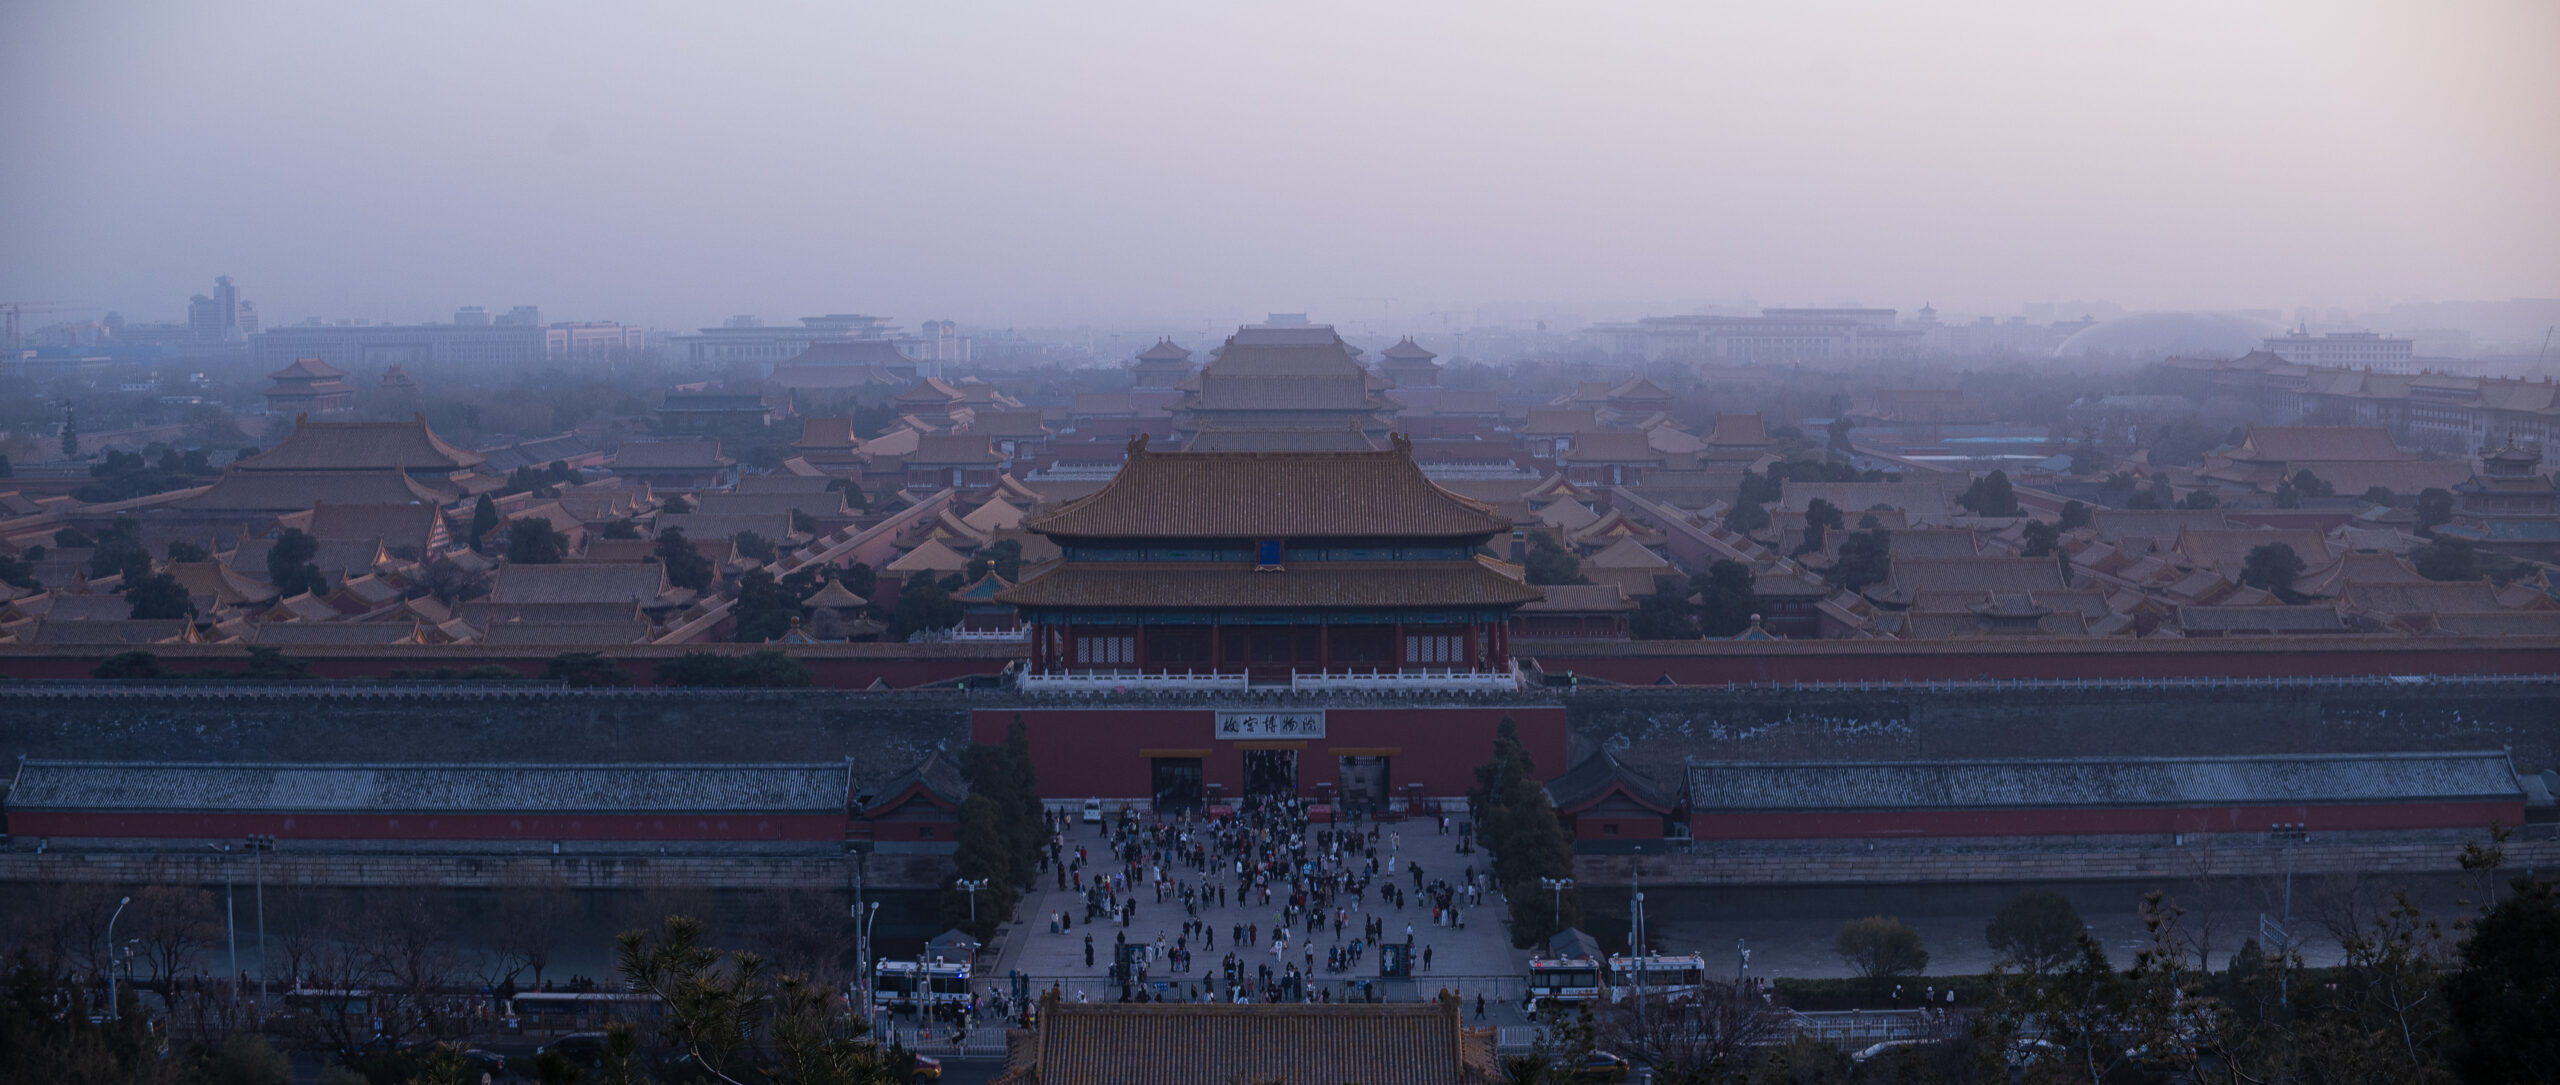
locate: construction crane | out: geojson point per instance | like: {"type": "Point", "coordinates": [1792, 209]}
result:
{"type": "Point", "coordinates": [10, 310]}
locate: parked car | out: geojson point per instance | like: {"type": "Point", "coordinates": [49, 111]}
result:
{"type": "Point", "coordinates": [1093, 810]}
{"type": "Point", "coordinates": [1601, 1066]}
{"type": "Point", "coordinates": [487, 1062]}
{"type": "Point", "coordinates": [586, 1049]}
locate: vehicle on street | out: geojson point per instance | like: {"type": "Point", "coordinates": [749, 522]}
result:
{"type": "Point", "coordinates": [1600, 1066]}
{"type": "Point", "coordinates": [486, 1062]}
{"type": "Point", "coordinates": [1662, 976]}
{"type": "Point", "coordinates": [927, 1068]}
{"type": "Point", "coordinates": [912, 985]}
{"type": "Point", "coordinates": [1570, 968]}
{"type": "Point", "coordinates": [586, 1049]}
{"type": "Point", "coordinates": [1093, 810]}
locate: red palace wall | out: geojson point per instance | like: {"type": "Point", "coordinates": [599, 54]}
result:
{"type": "Point", "coordinates": [914, 832]}
{"type": "Point", "coordinates": [1107, 753]}
{"type": "Point", "coordinates": [812, 827]}
{"type": "Point", "coordinates": [1634, 663]}
{"type": "Point", "coordinates": [1640, 664]}
{"type": "Point", "coordinates": [2148, 821]}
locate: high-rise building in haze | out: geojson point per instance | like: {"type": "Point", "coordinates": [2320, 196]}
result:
{"type": "Point", "coordinates": [223, 317]}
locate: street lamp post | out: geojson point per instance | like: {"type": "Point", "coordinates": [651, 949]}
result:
{"type": "Point", "coordinates": [862, 937]}
{"type": "Point", "coordinates": [862, 922]}
{"type": "Point", "coordinates": [1636, 880]}
{"type": "Point", "coordinates": [972, 888]}
{"type": "Point", "coordinates": [111, 957]}
{"type": "Point", "coordinates": [1559, 885]}
{"type": "Point", "coordinates": [259, 845]}
{"type": "Point", "coordinates": [230, 910]}
{"type": "Point", "coordinates": [2284, 836]}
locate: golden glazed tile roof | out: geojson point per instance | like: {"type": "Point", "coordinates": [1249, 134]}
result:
{"type": "Point", "coordinates": [1191, 585]}
{"type": "Point", "coordinates": [1270, 495]}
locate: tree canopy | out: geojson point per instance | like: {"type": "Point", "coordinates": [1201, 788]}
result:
{"type": "Point", "coordinates": [532, 540]}
{"type": "Point", "coordinates": [289, 565]}
{"type": "Point", "coordinates": [2038, 931]}
{"type": "Point", "coordinates": [2272, 567]}
{"type": "Point", "coordinates": [1880, 946]}
{"type": "Point", "coordinates": [1990, 495]}
{"type": "Point", "coordinates": [686, 567]}
{"type": "Point", "coordinates": [1518, 823]}
{"type": "Point", "coordinates": [1549, 563]}
{"type": "Point", "coordinates": [1726, 598]}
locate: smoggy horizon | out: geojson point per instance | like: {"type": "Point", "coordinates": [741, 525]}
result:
{"type": "Point", "coordinates": [1133, 163]}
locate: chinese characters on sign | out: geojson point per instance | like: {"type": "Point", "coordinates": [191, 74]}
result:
{"type": "Point", "coordinates": [1270, 725]}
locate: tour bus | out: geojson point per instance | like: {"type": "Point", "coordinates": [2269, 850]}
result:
{"type": "Point", "coordinates": [1665, 976]}
{"type": "Point", "coordinates": [1567, 979]}
{"type": "Point", "coordinates": [1569, 968]}
{"type": "Point", "coordinates": [908, 985]}
{"type": "Point", "coordinates": [331, 1001]}
{"type": "Point", "coordinates": [561, 1010]}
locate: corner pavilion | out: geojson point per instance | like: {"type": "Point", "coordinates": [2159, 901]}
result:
{"type": "Point", "coordinates": [1240, 570]}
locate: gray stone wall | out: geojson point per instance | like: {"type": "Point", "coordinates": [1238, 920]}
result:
{"type": "Point", "coordinates": [291, 865]}
{"type": "Point", "coordinates": [1668, 726]}
{"type": "Point", "coordinates": [2055, 859]}
{"type": "Point", "coordinates": [883, 734]}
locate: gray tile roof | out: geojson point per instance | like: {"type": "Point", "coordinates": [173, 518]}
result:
{"type": "Point", "coordinates": [431, 788]}
{"type": "Point", "coordinates": [1744, 786]}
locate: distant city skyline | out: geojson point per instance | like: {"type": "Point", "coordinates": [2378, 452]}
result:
{"type": "Point", "coordinates": [1122, 163]}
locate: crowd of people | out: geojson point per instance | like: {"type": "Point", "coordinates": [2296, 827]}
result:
{"type": "Point", "coordinates": [1295, 902]}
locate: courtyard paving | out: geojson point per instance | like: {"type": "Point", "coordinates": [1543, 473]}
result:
{"type": "Point", "coordinates": [1475, 960]}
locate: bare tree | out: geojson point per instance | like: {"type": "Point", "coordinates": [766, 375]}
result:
{"type": "Point", "coordinates": [1712, 1035]}
{"type": "Point", "coordinates": [335, 970]}
{"type": "Point", "coordinates": [63, 925]}
{"type": "Point", "coordinates": [301, 921]}
{"type": "Point", "coordinates": [809, 934]}
{"type": "Point", "coordinates": [2202, 896]}
{"type": "Point", "coordinates": [413, 963]}
{"type": "Point", "coordinates": [174, 924]}
{"type": "Point", "coordinates": [535, 916]}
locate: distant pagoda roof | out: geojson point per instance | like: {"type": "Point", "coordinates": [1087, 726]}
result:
{"type": "Point", "coordinates": [307, 369]}
{"type": "Point", "coordinates": [1406, 351]}
{"type": "Point", "coordinates": [1164, 351]}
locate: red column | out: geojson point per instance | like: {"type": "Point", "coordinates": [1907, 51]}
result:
{"type": "Point", "coordinates": [1217, 654]}
{"type": "Point", "coordinates": [1067, 646]}
{"type": "Point", "coordinates": [1399, 650]}
{"type": "Point", "coordinates": [1138, 646]}
{"type": "Point", "coordinates": [1324, 648]}
{"type": "Point", "coordinates": [1474, 662]}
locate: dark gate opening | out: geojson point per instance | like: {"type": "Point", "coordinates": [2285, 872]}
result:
{"type": "Point", "coordinates": [1177, 784]}
{"type": "Point", "coordinates": [1270, 774]}
{"type": "Point", "coordinates": [1365, 781]}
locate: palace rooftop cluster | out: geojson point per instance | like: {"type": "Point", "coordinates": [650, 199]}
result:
{"type": "Point", "coordinates": [1291, 502]}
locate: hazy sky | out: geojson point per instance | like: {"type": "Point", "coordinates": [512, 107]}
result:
{"type": "Point", "coordinates": [1058, 162]}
